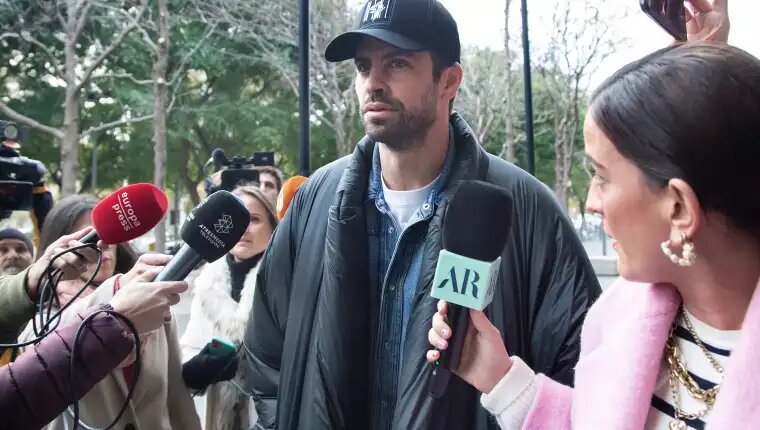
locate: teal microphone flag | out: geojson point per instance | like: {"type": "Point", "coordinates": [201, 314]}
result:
{"type": "Point", "coordinates": [476, 228]}
{"type": "Point", "coordinates": [465, 281]}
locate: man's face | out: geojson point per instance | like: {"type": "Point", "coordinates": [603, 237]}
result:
{"type": "Point", "coordinates": [398, 96]}
{"type": "Point", "coordinates": [268, 186]}
{"type": "Point", "coordinates": [14, 256]}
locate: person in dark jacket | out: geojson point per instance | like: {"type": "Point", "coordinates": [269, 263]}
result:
{"type": "Point", "coordinates": [35, 388]}
{"type": "Point", "coordinates": [338, 329]}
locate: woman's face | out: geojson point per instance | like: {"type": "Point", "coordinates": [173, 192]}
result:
{"type": "Point", "coordinates": [108, 261]}
{"type": "Point", "coordinates": [635, 214]}
{"type": "Point", "coordinates": [256, 236]}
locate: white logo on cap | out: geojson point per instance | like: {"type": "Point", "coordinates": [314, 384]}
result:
{"type": "Point", "coordinates": [376, 9]}
{"type": "Point", "coordinates": [224, 224]}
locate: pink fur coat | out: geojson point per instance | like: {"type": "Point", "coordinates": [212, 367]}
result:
{"type": "Point", "coordinates": [622, 345]}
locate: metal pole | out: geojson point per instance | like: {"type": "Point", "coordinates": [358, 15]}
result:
{"type": "Point", "coordinates": [528, 91]}
{"type": "Point", "coordinates": [303, 86]}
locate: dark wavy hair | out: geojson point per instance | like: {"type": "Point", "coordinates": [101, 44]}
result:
{"type": "Point", "coordinates": [62, 219]}
{"type": "Point", "coordinates": [692, 112]}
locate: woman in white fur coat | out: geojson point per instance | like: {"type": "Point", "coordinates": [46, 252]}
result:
{"type": "Point", "coordinates": [222, 298]}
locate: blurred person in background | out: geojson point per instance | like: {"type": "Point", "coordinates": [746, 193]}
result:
{"type": "Point", "coordinates": [270, 182]}
{"type": "Point", "coordinates": [16, 251]}
{"type": "Point", "coordinates": [222, 300]}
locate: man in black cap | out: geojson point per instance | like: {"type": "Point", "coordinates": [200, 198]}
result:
{"type": "Point", "coordinates": [337, 334]}
{"type": "Point", "coordinates": [16, 251]}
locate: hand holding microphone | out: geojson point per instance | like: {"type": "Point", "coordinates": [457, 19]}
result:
{"type": "Point", "coordinates": [147, 303]}
{"type": "Point", "coordinates": [125, 214]}
{"type": "Point", "coordinates": [476, 226]}
{"type": "Point", "coordinates": [71, 265]}
{"type": "Point", "coordinates": [484, 360]}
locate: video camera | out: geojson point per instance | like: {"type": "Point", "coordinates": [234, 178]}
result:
{"type": "Point", "coordinates": [18, 175]}
{"type": "Point", "coordinates": [235, 170]}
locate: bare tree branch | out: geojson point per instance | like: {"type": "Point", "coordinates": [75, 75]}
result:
{"type": "Point", "coordinates": [186, 58]}
{"type": "Point", "coordinates": [123, 75]}
{"type": "Point", "coordinates": [26, 37]}
{"type": "Point", "coordinates": [118, 123]}
{"type": "Point", "coordinates": [81, 19]}
{"type": "Point", "coordinates": [23, 119]}
{"type": "Point", "coordinates": [115, 43]}
{"type": "Point", "coordinates": [61, 19]}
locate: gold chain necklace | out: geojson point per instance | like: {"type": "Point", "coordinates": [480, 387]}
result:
{"type": "Point", "coordinates": [677, 371]}
{"type": "Point", "coordinates": [718, 368]}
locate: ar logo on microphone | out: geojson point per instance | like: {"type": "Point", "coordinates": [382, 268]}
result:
{"type": "Point", "coordinates": [466, 281]}
{"type": "Point", "coordinates": [223, 225]}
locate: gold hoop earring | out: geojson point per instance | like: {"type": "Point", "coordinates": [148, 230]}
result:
{"type": "Point", "coordinates": [687, 257]}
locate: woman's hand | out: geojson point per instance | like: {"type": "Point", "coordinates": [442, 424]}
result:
{"type": "Point", "coordinates": [146, 262]}
{"type": "Point", "coordinates": [66, 290]}
{"type": "Point", "coordinates": [71, 264]}
{"type": "Point", "coordinates": [708, 21]}
{"type": "Point", "coordinates": [484, 359]}
{"type": "Point", "coordinates": [147, 304]}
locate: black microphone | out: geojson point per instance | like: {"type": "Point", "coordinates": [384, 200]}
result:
{"type": "Point", "coordinates": [218, 157]}
{"type": "Point", "coordinates": [476, 226]}
{"type": "Point", "coordinates": [212, 229]}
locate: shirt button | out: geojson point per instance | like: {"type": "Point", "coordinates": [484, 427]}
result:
{"type": "Point", "coordinates": [384, 404]}
{"type": "Point", "coordinates": [426, 206]}
{"type": "Point", "coordinates": [391, 229]}
{"type": "Point", "coordinates": [387, 345]}
{"type": "Point", "coordinates": [393, 288]}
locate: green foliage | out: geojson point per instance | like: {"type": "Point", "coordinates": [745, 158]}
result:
{"type": "Point", "coordinates": [229, 95]}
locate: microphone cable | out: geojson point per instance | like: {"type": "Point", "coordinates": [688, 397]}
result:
{"type": "Point", "coordinates": [48, 324]}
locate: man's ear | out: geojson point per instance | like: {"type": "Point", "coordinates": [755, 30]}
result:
{"type": "Point", "coordinates": [451, 80]}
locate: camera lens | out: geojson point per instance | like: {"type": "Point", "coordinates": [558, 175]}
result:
{"type": "Point", "coordinates": [10, 132]}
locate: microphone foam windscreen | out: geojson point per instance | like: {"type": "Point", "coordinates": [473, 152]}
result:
{"type": "Point", "coordinates": [129, 212]}
{"type": "Point", "coordinates": [214, 227]}
{"type": "Point", "coordinates": [287, 193]}
{"type": "Point", "coordinates": [478, 221]}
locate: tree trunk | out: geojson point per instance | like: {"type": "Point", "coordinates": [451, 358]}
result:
{"type": "Point", "coordinates": [160, 91]}
{"type": "Point", "coordinates": [69, 144]}
{"type": "Point", "coordinates": [508, 149]}
{"type": "Point", "coordinates": [191, 185]}
{"type": "Point", "coordinates": [561, 173]}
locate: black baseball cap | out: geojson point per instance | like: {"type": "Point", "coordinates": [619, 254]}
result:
{"type": "Point", "coordinates": [413, 25]}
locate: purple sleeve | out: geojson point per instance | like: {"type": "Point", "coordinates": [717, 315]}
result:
{"type": "Point", "coordinates": [36, 387]}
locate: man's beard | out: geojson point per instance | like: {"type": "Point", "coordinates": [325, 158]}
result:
{"type": "Point", "coordinates": [409, 128]}
{"type": "Point", "coordinates": [11, 270]}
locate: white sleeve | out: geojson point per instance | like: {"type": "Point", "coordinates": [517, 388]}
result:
{"type": "Point", "coordinates": [510, 400]}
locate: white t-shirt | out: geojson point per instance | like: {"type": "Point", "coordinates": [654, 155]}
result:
{"type": "Point", "coordinates": [403, 204]}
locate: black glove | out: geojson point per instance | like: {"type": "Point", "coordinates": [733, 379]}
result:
{"type": "Point", "coordinates": [207, 368]}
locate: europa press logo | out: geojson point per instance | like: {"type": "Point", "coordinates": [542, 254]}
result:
{"type": "Point", "coordinates": [224, 224]}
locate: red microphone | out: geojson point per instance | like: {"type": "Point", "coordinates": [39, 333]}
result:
{"type": "Point", "coordinates": [126, 214]}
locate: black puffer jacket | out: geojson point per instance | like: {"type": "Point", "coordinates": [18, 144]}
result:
{"type": "Point", "coordinates": [307, 340]}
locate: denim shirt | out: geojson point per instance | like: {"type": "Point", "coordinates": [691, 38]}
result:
{"type": "Point", "coordinates": [396, 256]}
